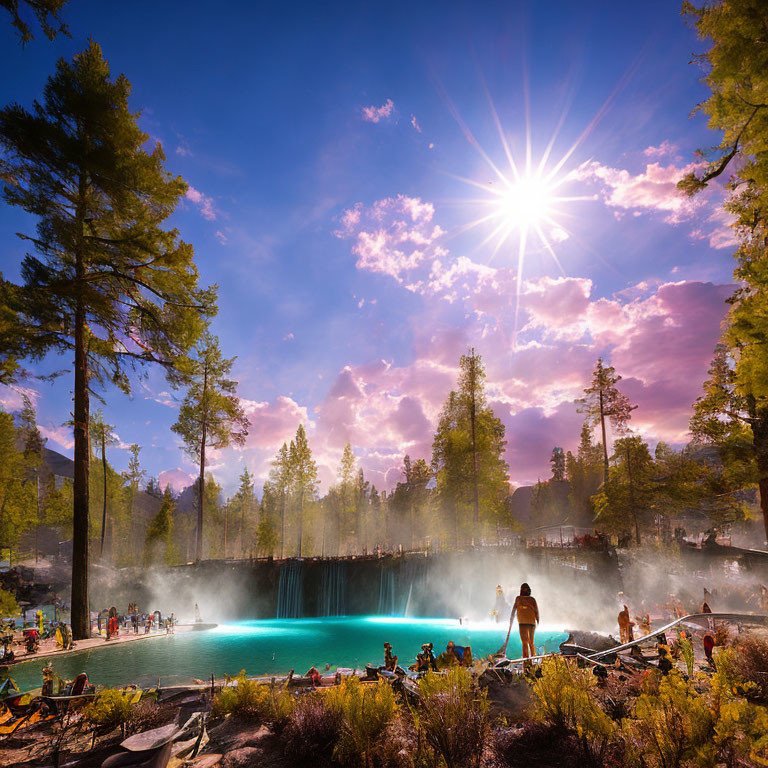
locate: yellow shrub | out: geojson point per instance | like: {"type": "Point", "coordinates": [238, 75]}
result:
{"type": "Point", "coordinates": [364, 711]}
{"type": "Point", "coordinates": [671, 727]}
{"type": "Point", "coordinates": [453, 715]}
{"type": "Point", "coordinates": [110, 709]}
{"type": "Point", "coordinates": [562, 699]}
{"type": "Point", "coordinates": [251, 699]}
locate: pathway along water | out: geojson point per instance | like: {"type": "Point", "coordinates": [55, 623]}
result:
{"type": "Point", "coordinates": [273, 647]}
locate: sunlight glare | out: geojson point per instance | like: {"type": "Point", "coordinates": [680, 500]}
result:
{"type": "Point", "coordinates": [526, 203]}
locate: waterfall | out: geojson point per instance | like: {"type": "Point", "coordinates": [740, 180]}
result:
{"type": "Point", "coordinates": [290, 592]}
{"type": "Point", "coordinates": [386, 593]}
{"type": "Point", "coordinates": [412, 574]}
{"type": "Point", "coordinates": [334, 589]}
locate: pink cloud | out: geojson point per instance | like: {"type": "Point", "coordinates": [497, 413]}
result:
{"type": "Point", "coordinates": [61, 435]}
{"type": "Point", "coordinates": [665, 149]}
{"type": "Point", "coordinates": [658, 336]}
{"type": "Point", "coordinates": [375, 114]}
{"type": "Point", "coordinates": [395, 236]}
{"type": "Point", "coordinates": [177, 478]}
{"type": "Point", "coordinates": [415, 123]}
{"type": "Point", "coordinates": [557, 302]}
{"type": "Point", "coordinates": [655, 189]}
{"type": "Point", "coordinates": [203, 202]}
{"type": "Point", "coordinates": [273, 423]}
{"type": "Point", "coordinates": [12, 398]}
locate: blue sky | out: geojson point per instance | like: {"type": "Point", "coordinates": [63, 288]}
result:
{"type": "Point", "coordinates": [324, 146]}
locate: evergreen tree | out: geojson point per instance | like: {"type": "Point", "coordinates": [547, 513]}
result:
{"type": "Point", "coordinates": [102, 435]}
{"type": "Point", "coordinates": [472, 392]}
{"type": "Point", "coordinates": [281, 479]}
{"type": "Point", "coordinates": [468, 453]}
{"type": "Point", "coordinates": [160, 530]}
{"type": "Point", "coordinates": [33, 445]}
{"type": "Point", "coordinates": [736, 423]}
{"type": "Point", "coordinates": [18, 498]}
{"type": "Point", "coordinates": [627, 499]}
{"type": "Point", "coordinates": [362, 487]}
{"type": "Point", "coordinates": [584, 473]}
{"type": "Point", "coordinates": [603, 401]}
{"type": "Point", "coordinates": [558, 463]}
{"type": "Point", "coordinates": [345, 510]}
{"type": "Point", "coordinates": [243, 508]}
{"type": "Point", "coordinates": [211, 415]}
{"type": "Point", "coordinates": [304, 478]}
{"type": "Point", "coordinates": [108, 283]}
{"type": "Point", "coordinates": [736, 66]}
{"type": "Point", "coordinates": [267, 536]}
{"type": "Point", "coordinates": [46, 13]}
{"type": "Point", "coordinates": [132, 479]}
{"type": "Point", "coordinates": [417, 477]}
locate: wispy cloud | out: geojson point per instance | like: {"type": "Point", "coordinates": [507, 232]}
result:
{"type": "Point", "coordinates": [665, 149]}
{"type": "Point", "coordinates": [203, 202]}
{"type": "Point", "coordinates": [374, 114]}
{"type": "Point", "coordinates": [415, 123]}
{"type": "Point", "coordinates": [394, 236]}
{"type": "Point", "coordinates": [655, 190]}
{"type": "Point", "coordinates": [163, 398]}
{"type": "Point", "coordinates": [61, 435]}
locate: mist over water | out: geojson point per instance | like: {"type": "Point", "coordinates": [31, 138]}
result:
{"type": "Point", "coordinates": [575, 589]}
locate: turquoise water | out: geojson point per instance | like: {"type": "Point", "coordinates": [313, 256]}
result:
{"type": "Point", "coordinates": [275, 646]}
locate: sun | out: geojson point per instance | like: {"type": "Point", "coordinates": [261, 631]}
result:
{"type": "Point", "coordinates": [524, 206]}
{"type": "Point", "coordinates": [526, 202]}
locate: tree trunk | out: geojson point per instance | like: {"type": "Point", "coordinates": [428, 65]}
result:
{"type": "Point", "coordinates": [605, 440]}
{"type": "Point", "coordinates": [301, 518]}
{"type": "Point", "coordinates": [456, 524]}
{"type": "Point", "coordinates": [200, 498]}
{"type": "Point", "coordinates": [472, 419]}
{"type": "Point", "coordinates": [632, 506]}
{"type": "Point", "coordinates": [81, 621]}
{"type": "Point", "coordinates": [242, 531]}
{"type": "Point", "coordinates": [104, 510]}
{"type": "Point", "coordinates": [282, 525]}
{"type": "Point", "coordinates": [759, 424]}
{"type": "Point", "coordinates": [226, 528]}
{"type": "Point", "coordinates": [201, 484]}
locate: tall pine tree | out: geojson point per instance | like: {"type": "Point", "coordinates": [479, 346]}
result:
{"type": "Point", "coordinates": [107, 283]}
{"type": "Point", "coordinates": [736, 73]}
{"type": "Point", "coordinates": [304, 479]}
{"type": "Point", "coordinates": [603, 402]}
{"type": "Point", "coordinates": [211, 415]}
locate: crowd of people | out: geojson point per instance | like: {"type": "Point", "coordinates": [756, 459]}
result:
{"type": "Point", "coordinates": [132, 621]}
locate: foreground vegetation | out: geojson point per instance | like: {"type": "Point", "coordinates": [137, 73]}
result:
{"type": "Point", "coordinates": [568, 716]}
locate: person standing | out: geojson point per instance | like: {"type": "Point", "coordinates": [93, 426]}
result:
{"type": "Point", "coordinates": [527, 611]}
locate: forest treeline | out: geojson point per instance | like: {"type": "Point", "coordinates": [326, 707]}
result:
{"type": "Point", "coordinates": [461, 496]}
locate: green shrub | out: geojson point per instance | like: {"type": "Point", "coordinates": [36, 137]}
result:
{"type": "Point", "coordinates": [453, 714]}
{"type": "Point", "coordinates": [250, 699]}
{"type": "Point", "coordinates": [563, 699]}
{"type": "Point", "coordinates": [363, 712]}
{"type": "Point", "coordinates": [671, 727]}
{"type": "Point", "coordinates": [109, 710]}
